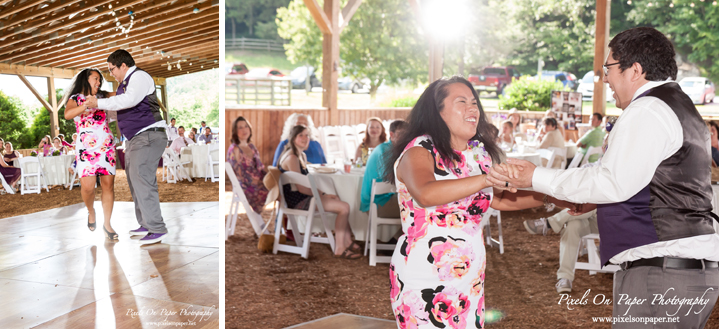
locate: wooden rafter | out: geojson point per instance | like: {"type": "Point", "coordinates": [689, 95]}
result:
{"type": "Point", "coordinates": [36, 93]}
{"type": "Point", "coordinates": [319, 15]}
{"type": "Point", "coordinates": [348, 11]}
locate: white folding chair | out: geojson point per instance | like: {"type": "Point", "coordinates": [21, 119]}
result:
{"type": "Point", "coordinates": [213, 159]}
{"type": "Point", "coordinates": [31, 172]}
{"type": "Point", "coordinates": [576, 160]}
{"type": "Point", "coordinates": [332, 143]}
{"type": "Point", "coordinates": [594, 264]}
{"type": "Point", "coordinates": [349, 141]}
{"type": "Point", "coordinates": [238, 197]}
{"type": "Point", "coordinates": [360, 131]}
{"type": "Point", "coordinates": [175, 170]}
{"type": "Point", "coordinates": [560, 152]}
{"type": "Point", "coordinates": [488, 232]}
{"type": "Point", "coordinates": [548, 155]}
{"type": "Point", "coordinates": [6, 186]}
{"type": "Point", "coordinates": [315, 209]}
{"type": "Point", "coordinates": [374, 220]}
{"type": "Point", "coordinates": [592, 150]}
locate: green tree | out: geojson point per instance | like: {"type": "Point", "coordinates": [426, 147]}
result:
{"type": "Point", "coordinates": [12, 125]}
{"type": "Point", "coordinates": [693, 27]}
{"type": "Point", "coordinates": [380, 43]}
{"type": "Point", "coordinates": [252, 18]}
{"type": "Point", "coordinates": [41, 124]}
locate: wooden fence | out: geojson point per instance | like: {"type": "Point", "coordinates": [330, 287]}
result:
{"type": "Point", "coordinates": [254, 44]}
{"type": "Point", "coordinates": [258, 91]}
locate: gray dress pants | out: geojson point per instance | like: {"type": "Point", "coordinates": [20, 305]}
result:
{"type": "Point", "coordinates": [142, 155]}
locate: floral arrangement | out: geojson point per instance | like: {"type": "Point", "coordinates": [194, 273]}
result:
{"type": "Point", "coordinates": [56, 153]}
{"type": "Point", "coordinates": [33, 154]}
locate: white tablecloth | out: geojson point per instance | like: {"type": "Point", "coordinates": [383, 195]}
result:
{"type": "Point", "coordinates": [199, 159]}
{"type": "Point", "coordinates": [348, 187]}
{"type": "Point", "coordinates": [56, 168]}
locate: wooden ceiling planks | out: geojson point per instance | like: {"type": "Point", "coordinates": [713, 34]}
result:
{"type": "Point", "coordinates": [49, 36]}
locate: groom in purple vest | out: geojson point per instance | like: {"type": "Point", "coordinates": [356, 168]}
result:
{"type": "Point", "coordinates": [140, 121]}
{"type": "Point", "coordinates": [652, 190]}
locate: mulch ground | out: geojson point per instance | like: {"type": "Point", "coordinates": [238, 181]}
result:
{"type": "Point", "coordinates": [184, 191]}
{"type": "Point", "coordinates": [263, 290]}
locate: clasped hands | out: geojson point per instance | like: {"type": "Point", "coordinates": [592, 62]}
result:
{"type": "Point", "coordinates": [91, 102]}
{"type": "Point", "coordinates": [515, 174]}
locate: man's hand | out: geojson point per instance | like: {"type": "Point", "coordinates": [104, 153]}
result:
{"type": "Point", "coordinates": [91, 102]}
{"type": "Point", "coordinates": [515, 173]}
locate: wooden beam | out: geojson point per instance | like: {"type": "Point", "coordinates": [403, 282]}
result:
{"type": "Point", "coordinates": [34, 92]}
{"type": "Point", "coordinates": [59, 73]}
{"type": "Point", "coordinates": [52, 97]}
{"type": "Point", "coordinates": [436, 58]}
{"type": "Point", "coordinates": [348, 11]}
{"type": "Point", "coordinates": [164, 109]}
{"type": "Point", "coordinates": [24, 17]}
{"type": "Point", "coordinates": [601, 40]}
{"type": "Point", "coordinates": [330, 60]}
{"type": "Point", "coordinates": [320, 16]}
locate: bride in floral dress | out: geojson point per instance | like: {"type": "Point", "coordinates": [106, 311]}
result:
{"type": "Point", "coordinates": [95, 148]}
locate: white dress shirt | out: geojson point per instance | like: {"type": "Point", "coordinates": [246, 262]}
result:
{"type": "Point", "coordinates": [138, 86]}
{"type": "Point", "coordinates": [180, 142]}
{"type": "Point", "coordinates": [172, 133]}
{"type": "Point", "coordinates": [647, 133]}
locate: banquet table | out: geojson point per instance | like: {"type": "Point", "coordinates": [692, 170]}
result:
{"type": "Point", "coordinates": [56, 168]}
{"type": "Point", "coordinates": [348, 187]}
{"type": "Point", "coordinates": [199, 159]}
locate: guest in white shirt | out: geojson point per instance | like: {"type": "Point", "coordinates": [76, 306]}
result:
{"type": "Point", "coordinates": [180, 141]}
{"type": "Point", "coordinates": [552, 139]}
{"type": "Point", "coordinates": [652, 187]}
{"type": "Point", "coordinates": [206, 137]}
{"type": "Point", "coordinates": [172, 131]}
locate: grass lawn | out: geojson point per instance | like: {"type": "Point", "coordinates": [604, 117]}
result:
{"type": "Point", "coordinates": [255, 59]}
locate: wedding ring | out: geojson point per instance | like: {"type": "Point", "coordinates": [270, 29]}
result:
{"type": "Point", "coordinates": [506, 184]}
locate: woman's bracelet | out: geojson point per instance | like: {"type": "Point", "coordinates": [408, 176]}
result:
{"type": "Point", "coordinates": [548, 205]}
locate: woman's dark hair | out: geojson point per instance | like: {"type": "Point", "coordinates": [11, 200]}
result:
{"type": "Point", "coordinates": [552, 122]}
{"type": "Point", "coordinates": [382, 136]}
{"type": "Point", "coordinates": [120, 56]}
{"type": "Point", "coordinates": [290, 146]}
{"type": "Point", "coordinates": [713, 124]}
{"type": "Point", "coordinates": [234, 138]}
{"type": "Point", "coordinates": [508, 122]}
{"type": "Point", "coordinates": [425, 119]}
{"type": "Point", "coordinates": [648, 47]}
{"type": "Point", "coordinates": [82, 86]}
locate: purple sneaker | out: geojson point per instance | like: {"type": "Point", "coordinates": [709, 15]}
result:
{"type": "Point", "coordinates": [139, 231]}
{"type": "Point", "coordinates": [151, 238]}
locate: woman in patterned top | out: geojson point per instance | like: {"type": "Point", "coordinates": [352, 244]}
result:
{"type": "Point", "coordinates": [245, 160]}
{"type": "Point", "coordinates": [95, 147]}
{"type": "Point", "coordinates": [440, 169]}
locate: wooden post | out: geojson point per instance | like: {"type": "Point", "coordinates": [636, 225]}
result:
{"type": "Point", "coordinates": [436, 58]}
{"type": "Point", "coordinates": [601, 40]}
{"type": "Point", "coordinates": [163, 91]}
{"type": "Point", "coordinates": [330, 61]}
{"type": "Point", "coordinates": [52, 97]}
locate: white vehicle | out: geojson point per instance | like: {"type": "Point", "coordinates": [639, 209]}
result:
{"type": "Point", "coordinates": [700, 90]}
{"type": "Point", "coordinates": [586, 87]}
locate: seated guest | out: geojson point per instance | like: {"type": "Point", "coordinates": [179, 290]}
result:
{"type": "Point", "coordinates": [181, 141]}
{"type": "Point", "coordinates": [64, 143]}
{"type": "Point", "coordinates": [593, 138]}
{"type": "Point", "coordinates": [57, 146]}
{"type": "Point", "coordinates": [542, 131]}
{"type": "Point", "coordinates": [314, 152]}
{"type": "Point", "coordinates": [374, 136]}
{"type": "Point", "coordinates": [191, 136]}
{"type": "Point", "coordinates": [9, 173]}
{"type": "Point", "coordinates": [10, 154]}
{"type": "Point", "coordinates": [294, 159]}
{"type": "Point", "coordinates": [387, 204]}
{"type": "Point", "coordinates": [205, 138]}
{"type": "Point", "coordinates": [246, 163]}
{"type": "Point", "coordinates": [552, 139]}
{"type": "Point", "coordinates": [507, 135]}
{"type": "Point", "coordinates": [714, 129]}
{"type": "Point", "coordinates": [45, 146]}
{"type": "Point", "coordinates": [74, 140]}
{"type": "Point", "coordinates": [194, 130]}
{"type": "Point", "coordinates": [516, 120]}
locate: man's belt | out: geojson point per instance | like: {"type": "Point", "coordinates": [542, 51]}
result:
{"type": "Point", "coordinates": [672, 262]}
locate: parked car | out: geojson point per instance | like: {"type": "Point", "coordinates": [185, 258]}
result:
{"type": "Point", "coordinates": [299, 75]}
{"type": "Point", "coordinates": [264, 73]}
{"type": "Point", "coordinates": [700, 90]}
{"type": "Point", "coordinates": [493, 79]}
{"type": "Point", "coordinates": [567, 79]}
{"type": "Point", "coordinates": [238, 68]}
{"type": "Point", "coordinates": [355, 85]}
{"type": "Point", "coordinates": [586, 87]}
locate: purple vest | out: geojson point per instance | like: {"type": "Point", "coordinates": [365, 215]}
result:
{"type": "Point", "coordinates": [145, 113]}
{"type": "Point", "coordinates": [677, 202]}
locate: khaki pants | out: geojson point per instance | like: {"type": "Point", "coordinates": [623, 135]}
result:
{"type": "Point", "coordinates": [574, 228]}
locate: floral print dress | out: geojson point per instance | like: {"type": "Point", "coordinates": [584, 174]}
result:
{"type": "Point", "coordinates": [437, 270]}
{"type": "Point", "coordinates": [95, 148]}
{"type": "Point", "coordinates": [249, 171]}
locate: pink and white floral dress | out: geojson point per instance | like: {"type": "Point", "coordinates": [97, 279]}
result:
{"type": "Point", "coordinates": [95, 148]}
{"type": "Point", "coordinates": [437, 270]}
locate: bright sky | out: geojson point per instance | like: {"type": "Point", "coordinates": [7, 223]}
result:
{"type": "Point", "coordinates": [11, 85]}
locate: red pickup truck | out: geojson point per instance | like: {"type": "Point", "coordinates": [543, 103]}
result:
{"type": "Point", "coordinates": [493, 79]}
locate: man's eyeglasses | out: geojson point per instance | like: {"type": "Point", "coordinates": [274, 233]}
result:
{"type": "Point", "coordinates": [606, 68]}
{"type": "Point", "coordinates": [114, 67]}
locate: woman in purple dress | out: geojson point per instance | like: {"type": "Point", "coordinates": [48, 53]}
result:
{"type": "Point", "coordinates": [9, 173]}
{"type": "Point", "coordinates": [245, 161]}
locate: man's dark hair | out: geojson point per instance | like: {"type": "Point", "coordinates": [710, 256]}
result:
{"type": "Point", "coordinates": [598, 115]}
{"type": "Point", "coordinates": [201, 122]}
{"type": "Point", "coordinates": [552, 122]}
{"type": "Point", "coordinates": [172, 119]}
{"type": "Point", "coordinates": [397, 124]}
{"type": "Point", "coordinates": [180, 127]}
{"type": "Point", "coordinates": [648, 47]}
{"type": "Point", "coordinates": [119, 57]}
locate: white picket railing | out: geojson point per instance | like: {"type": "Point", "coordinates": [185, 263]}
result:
{"type": "Point", "coordinates": [258, 91]}
{"type": "Point", "coordinates": [253, 44]}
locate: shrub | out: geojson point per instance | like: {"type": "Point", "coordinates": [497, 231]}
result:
{"type": "Point", "coordinates": [406, 101]}
{"type": "Point", "coordinates": [531, 95]}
